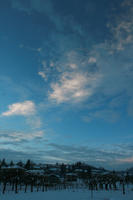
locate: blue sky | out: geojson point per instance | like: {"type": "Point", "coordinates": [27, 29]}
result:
{"type": "Point", "coordinates": [66, 78]}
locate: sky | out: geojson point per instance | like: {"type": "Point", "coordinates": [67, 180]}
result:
{"type": "Point", "coordinates": [66, 81]}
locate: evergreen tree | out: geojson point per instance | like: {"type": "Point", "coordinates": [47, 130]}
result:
{"type": "Point", "coordinates": [63, 169]}
{"type": "Point", "coordinates": [20, 164]}
{"type": "Point", "coordinates": [3, 163]}
{"type": "Point", "coordinates": [11, 164]}
{"type": "Point", "coordinates": [29, 164]}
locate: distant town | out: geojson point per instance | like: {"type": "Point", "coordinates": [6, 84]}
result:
{"type": "Point", "coordinates": [22, 176]}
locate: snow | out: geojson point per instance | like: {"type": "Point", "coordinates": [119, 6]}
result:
{"type": "Point", "coordinates": [12, 167]}
{"type": "Point", "coordinates": [73, 194]}
{"type": "Point", "coordinates": [71, 174]}
{"type": "Point", "coordinates": [35, 171]}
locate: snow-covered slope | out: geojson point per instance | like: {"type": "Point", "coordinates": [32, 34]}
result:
{"type": "Point", "coordinates": [69, 195]}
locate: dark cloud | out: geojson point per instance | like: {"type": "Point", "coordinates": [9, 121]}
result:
{"type": "Point", "coordinates": [108, 157]}
{"type": "Point", "coordinates": [112, 156]}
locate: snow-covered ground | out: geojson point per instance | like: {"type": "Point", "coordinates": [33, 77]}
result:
{"type": "Point", "coordinates": [69, 195]}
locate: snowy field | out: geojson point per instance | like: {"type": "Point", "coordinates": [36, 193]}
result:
{"type": "Point", "coordinates": [69, 195]}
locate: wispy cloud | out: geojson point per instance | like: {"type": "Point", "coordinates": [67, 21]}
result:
{"type": "Point", "coordinates": [48, 9]}
{"type": "Point", "coordinates": [105, 114]}
{"type": "Point", "coordinates": [35, 122]}
{"type": "Point", "coordinates": [122, 28]}
{"type": "Point", "coordinates": [22, 108]}
{"type": "Point", "coordinates": [14, 136]}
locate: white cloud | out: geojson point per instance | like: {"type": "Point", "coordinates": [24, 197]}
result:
{"type": "Point", "coordinates": [25, 108]}
{"type": "Point", "coordinates": [92, 60]}
{"type": "Point", "coordinates": [73, 87]}
{"type": "Point", "coordinates": [51, 64]}
{"type": "Point", "coordinates": [42, 74]}
{"type": "Point", "coordinates": [125, 160]}
{"type": "Point", "coordinates": [73, 66]}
